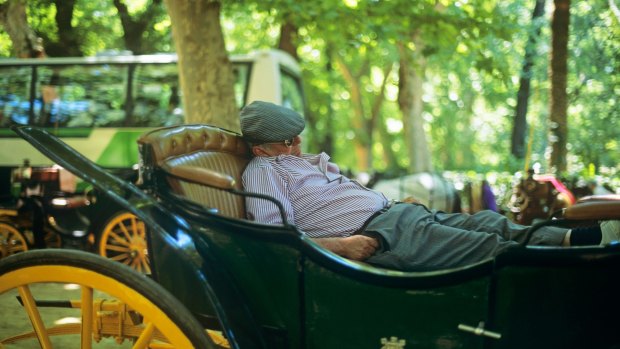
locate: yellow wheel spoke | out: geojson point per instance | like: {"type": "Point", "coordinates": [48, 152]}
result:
{"type": "Point", "coordinates": [117, 248]}
{"type": "Point", "coordinates": [134, 226]}
{"type": "Point", "coordinates": [117, 239]}
{"type": "Point", "coordinates": [121, 257]}
{"type": "Point", "coordinates": [35, 317]}
{"type": "Point", "coordinates": [87, 317]}
{"type": "Point", "coordinates": [145, 337]}
{"type": "Point", "coordinates": [135, 263]}
{"type": "Point", "coordinates": [124, 230]}
{"type": "Point", "coordinates": [145, 265]}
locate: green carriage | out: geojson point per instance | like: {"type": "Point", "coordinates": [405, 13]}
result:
{"type": "Point", "coordinates": [219, 280]}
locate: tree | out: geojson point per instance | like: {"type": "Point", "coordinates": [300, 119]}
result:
{"type": "Point", "coordinates": [205, 71]}
{"type": "Point", "coordinates": [288, 37]}
{"type": "Point", "coordinates": [69, 41]}
{"type": "Point", "coordinates": [410, 89]}
{"type": "Point", "coordinates": [13, 19]}
{"type": "Point", "coordinates": [593, 83]}
{"type": "Point", "coordinates": [523, 96]}
{"type": "Point", "coordinates": [134, 27]}
{"type": "Point", "coordinates": [558, 127]}
{"type": "Point", "coordinates": [473, 54]}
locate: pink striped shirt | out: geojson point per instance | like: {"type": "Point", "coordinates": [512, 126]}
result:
{"type": "Point", "coordinates": [316, 197]}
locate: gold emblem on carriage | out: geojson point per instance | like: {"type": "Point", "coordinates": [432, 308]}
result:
{"type": "Point", "coordinates": [392, 343]}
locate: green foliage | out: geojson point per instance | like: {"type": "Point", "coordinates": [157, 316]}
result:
{"type": "Point", "coordinates": [94, 18]}
{"type": "Point", "coordinates": [594, 87]}
{"type": "Point", "coordinates": [474, 53]}
{"type": "Point", "coordinates": [97, 24]}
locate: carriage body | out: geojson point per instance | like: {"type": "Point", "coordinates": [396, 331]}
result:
{"type": "Point", "coordinates": [300, 296]}
{"type": "Point", "coordinates": [268, 286]}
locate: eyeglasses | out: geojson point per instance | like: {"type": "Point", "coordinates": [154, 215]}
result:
{"type": "Point", "coordinates": [287, 142]}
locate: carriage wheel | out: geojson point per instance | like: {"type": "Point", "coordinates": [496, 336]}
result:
{"type": "Point", "coordinates": [11, 240]}
{"type": "Point", "coordinates": [123, 239]}
{"type": "Point", "coordinates": [113, 302]}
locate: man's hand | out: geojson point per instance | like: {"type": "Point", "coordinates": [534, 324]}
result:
{"type": "Point", "coordinates": [359, 247]}
{"type": "Point", "coordinates": [410, 200]}
{"type": "Point", "coordinates": [355, 247]}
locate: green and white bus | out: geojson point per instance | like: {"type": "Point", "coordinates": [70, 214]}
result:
{"type": "Point", "coordinates": [100, 105]}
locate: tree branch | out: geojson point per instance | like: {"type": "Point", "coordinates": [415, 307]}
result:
{"type": "Point", "coordinates": [3, 12]}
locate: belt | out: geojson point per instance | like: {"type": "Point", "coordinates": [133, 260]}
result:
{"type": "Point", "coordinates": [375, 215]}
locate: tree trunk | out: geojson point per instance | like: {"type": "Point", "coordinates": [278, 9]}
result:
{"type": "Point", "coordinates": [520, 123]}
{"type": "Point", "coordinates": [411, 78]}
{"type": "Point", "coordinates": [13, 19]}
{"type": "Point", "coordinates": [322, 140]}
{"type": "Point", "coordinates": [134, 28]}
{"type": "Point", "coordinates": [288, 36]}
{"type": "Point", "coordinates": [374, 124]}
{"type": "Point", "coordinates": [205, 71]}
{"type": "Point", "coordinates": [558, 128]}
{"type": "Point", "coordinates": [68, 38]}
{"type": "Point", "coordinates": [359, 125]}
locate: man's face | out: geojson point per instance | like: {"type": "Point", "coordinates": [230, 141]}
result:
{"type": "Point", "coordinates": [287, 147]}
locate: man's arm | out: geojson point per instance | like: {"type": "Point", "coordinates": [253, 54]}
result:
{"type": "Point", "coordinates": [355, 247]}
{"type": "Point", "coordinates": [266, 181]}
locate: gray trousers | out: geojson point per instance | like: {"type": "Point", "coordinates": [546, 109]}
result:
{"type": "Point", "coordinates": [419, 239]}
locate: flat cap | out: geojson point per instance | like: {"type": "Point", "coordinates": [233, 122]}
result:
{"type": "Point", "coordinates": [264, 122]}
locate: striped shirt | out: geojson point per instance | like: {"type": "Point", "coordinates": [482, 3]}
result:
{"type": "Point", "coordinates": [316, 197]}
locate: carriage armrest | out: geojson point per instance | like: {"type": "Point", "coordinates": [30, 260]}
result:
{"type": "Point", "coordinates": [200, 175]}
{"type": "Point", "coordinates": [606, 197]}
{"type": "Point", "coordinates": [594, 210]}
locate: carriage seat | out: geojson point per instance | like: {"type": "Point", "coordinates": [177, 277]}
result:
{"type": "Point", "coordinates": [189, 155]}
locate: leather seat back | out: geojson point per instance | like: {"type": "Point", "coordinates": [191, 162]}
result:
{"type": "Point", "coordinates": [201, 146]}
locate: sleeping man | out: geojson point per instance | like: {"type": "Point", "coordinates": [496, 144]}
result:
{"type": "Point", "coordinates": [361, 224]}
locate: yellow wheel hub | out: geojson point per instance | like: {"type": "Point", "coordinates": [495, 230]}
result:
{"type": "Point", "coordinates": [124, 240]}
{"type": "Point", "coordinates": [11, 240]}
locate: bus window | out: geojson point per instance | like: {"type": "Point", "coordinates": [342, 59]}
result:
{"type": "Point", "coordinates": [101, 105]}
{"type": "Point", "coordinates": [292, 95]}
{"type": "Point", "coordinates": [14, 95]}
{"type": "Point", "coordinates": [241, 71]}
{"type": "Point", "coordinates": [80, 96]}
{"type": "Point", "coordinates": [156, 96]}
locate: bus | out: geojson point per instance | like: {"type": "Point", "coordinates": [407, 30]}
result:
{"type": "Point", "coordinates": [100, 105]}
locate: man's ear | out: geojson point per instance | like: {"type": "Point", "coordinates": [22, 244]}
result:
{"type": "Point", "coordinates": [258, 151]}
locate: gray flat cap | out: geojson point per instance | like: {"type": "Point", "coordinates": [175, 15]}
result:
{"type": "Point", "coordinates": [264, 122]}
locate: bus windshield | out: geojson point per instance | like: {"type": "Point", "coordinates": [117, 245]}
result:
{"type": "Point", "coordinates": [110, 94]}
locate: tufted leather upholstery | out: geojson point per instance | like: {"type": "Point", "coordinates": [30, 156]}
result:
{"type": "Point", "coordinates": [201, 146]}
